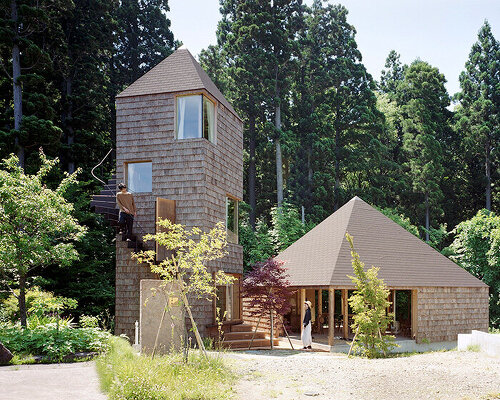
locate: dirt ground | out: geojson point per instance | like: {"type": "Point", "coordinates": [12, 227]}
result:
{"type": "Point", "coordinates": [284, 374]}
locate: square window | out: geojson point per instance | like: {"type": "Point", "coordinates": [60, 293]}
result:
{"type": "Point", "coordinates": [195, 117]}
{"type": "Point", "coordinates": [140, 177]}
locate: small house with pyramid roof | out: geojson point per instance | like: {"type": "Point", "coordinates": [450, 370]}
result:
{"type": "Point", "coordinates": [432, 297]}
{"type": "Point", "coordinates": [179, 149]}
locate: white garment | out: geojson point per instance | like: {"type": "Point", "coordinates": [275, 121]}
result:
{"type": "Point", "coordinates": [306, 335]}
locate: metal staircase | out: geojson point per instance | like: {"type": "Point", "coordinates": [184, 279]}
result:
{"type": "Point", "coordinates": [104, 203]}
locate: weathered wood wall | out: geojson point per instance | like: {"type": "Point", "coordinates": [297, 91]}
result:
{"type": "Point", "coordinates": [196, 173]}
{"type": "Point", "coordinates": [444, 312]}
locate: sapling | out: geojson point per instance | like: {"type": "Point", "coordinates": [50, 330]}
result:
{"type": "Point", "coordinates": [186, 265]}
{"type": "Point", "coordinates": [268, 290]}
{"type": "Point", "coordinates": [369, 305]}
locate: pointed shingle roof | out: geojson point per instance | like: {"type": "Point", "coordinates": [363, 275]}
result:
{"type": "Point", "coordinates": [176, 73]}
{"type": "Point", "coordinates": [322, 256]}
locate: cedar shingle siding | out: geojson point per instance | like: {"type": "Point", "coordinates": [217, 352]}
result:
{"type": "Point", "coordinates": [196, 173]}
{"type": "Point", "coordinates": [449, 299]}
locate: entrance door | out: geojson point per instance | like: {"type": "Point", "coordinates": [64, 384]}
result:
{"type": "Point", "coordinates": [402, 310]}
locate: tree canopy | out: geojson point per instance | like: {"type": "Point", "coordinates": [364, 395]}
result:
{"type": "Point", "coordinates": [37, 227]}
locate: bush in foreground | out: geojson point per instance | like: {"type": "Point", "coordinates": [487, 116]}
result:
{"type": "Point", "coordinates": [51, 342]}
{"type": "Point", "coordinates": [125, 375]}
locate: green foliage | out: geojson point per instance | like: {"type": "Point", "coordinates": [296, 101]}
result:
{"type": "Point", "coordinates": [37, 227]}
{"type": "Point", "coordinates": [51, 341]}
{"type": "Point", "coordinates": [126, 375]}
{"type": "Point", "coordinates": [89, 321]}
{"type": "Point", "coordinates": [425, 121]}
{"type": "Point", "coordinates": [477, 249]}
{"type": "Point", "coordinates": [257, 244]}
{"type": "Point", "coordinates": [479, 113]}
{"type": "Point", "coordinates": [91, 279]}
{"type": "Point", "coordinates": [287, 226]}
{"type": "Point", "coordinates": [38, 302]}
{"type": "Point", "coordinates": [190, 250]}
{"type": "Point", "coordinates": [369, 304]}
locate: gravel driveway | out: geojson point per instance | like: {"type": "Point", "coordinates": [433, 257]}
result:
{"type": "Point", "coordinates": [302, 375]}
{"type": "Point", "coordinates": [76, 381]}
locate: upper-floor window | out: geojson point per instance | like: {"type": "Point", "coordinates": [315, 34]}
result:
{"type": "Point", "coordinates": [140, 177]}
{"type": "Point", "coordinates": [232, 220]}
{"type": "Point", "coordinates": [195, 117]}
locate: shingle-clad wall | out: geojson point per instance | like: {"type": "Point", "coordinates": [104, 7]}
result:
{"type": "Point", "coordinates": [128, 276]}
{"type": "Point", "coordinates": [196, 173]}
{"type": "Point", "coordinates": [444, 312]}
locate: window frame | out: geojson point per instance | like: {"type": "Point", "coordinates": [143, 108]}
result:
{"type": "Point", "coordinates": [204, 95]}
{"type": "Point", "coordinates": [233, 307]}
{"type": "Point", "coordinates": [237, 210]}
{"type": "Point", "coordinates": [126, 174]}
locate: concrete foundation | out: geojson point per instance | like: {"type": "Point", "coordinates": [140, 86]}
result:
{"type": "Point", "coordinates": [155, 298]}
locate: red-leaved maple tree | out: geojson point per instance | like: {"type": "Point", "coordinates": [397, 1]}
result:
{"type": "Point", "coordinates": [267, 289]}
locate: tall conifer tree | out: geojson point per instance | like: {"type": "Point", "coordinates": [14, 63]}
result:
{"type": "Point", "coordinates": [479, 111]}
{"type": "Point", "coordinates": [425, 121]}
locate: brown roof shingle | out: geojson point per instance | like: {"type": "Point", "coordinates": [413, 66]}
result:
{"type": "Point", "coordinates": [322, 256]}
{"type": "Point", "coordinates": [176, 73]}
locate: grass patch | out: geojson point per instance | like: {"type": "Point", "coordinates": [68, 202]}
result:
{"type": "Point", "coordinates": [126, 375]}
{"type": "Point", "coordinates": [474, 347]}
{"type": "Point", "coordinates": [414, 353]}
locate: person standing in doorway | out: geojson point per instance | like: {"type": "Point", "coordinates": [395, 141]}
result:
{"type": "Point", "coordinates": [306, 332]}
{"type": "Point", "coordinates": [125, 201]}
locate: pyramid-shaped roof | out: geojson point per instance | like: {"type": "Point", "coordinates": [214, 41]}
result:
{"type": "Point", "coordinates": [322, 256]}
{"type": "Point", "coordinates": [176, 73]}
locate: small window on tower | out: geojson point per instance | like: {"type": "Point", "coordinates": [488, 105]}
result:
{"type": "Point", "coordinates": [140, 177]}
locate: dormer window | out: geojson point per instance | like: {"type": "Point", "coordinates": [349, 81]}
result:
{"type": "Point", "coordinates": [195, 117]}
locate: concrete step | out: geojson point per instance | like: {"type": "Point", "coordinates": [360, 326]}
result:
{"type": "Point", "coordinates": [244, 343]}
{"type": "Point", "coordinates": [243, 335]}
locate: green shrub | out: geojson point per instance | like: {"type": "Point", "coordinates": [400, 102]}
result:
{"type": "Point", "coordinates": [43, 308]}
{"type": "Point", "coordinates": [52, 342]}
{"type": "Point", "coordinates": [126, 375]}
{"type": "Point", "coordinates": [88, 321]}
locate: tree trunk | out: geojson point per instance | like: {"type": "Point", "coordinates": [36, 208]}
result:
{"type": "Point", "coordinates": [336, 203]}
{"type": "Point", "coordinates": [22, 300]}
{"type": "Point", "coordinates": [272, 329]}
{"type": "Point", "coordinates": [279, 173]}
{"type": "Point", "coordinates": [309, 168]}
{"type": "Point", "coordinates": [277, 125]}
{"type": "Point", "coordinates": [111, 102]}
{"type": "Point", "coordinates": [252, 169]}
{"type": "Point", "coordinates": [427, 217]}
{"type": "Point", "coordinates": [193, 323]}
{"type": "Point", "coordinates": [67, 121]}
{"type": "Point", "coordinates": [279, 162]}
{"type": "Point", "coordinates": [488, 175]}
{"type": "Point", "coordinates": [17, 86]}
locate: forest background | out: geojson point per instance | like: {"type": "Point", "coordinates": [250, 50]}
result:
{"type": "Point", "coordinates": [318, 129]}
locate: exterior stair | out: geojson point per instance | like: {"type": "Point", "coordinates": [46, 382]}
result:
{"type": "Point", "coordinates": [104, 203]}
{"type": "Point", "coordinates": [239, 336]}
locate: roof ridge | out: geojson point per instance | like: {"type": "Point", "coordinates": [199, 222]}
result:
{"type": "Point", "coordinates": [178, 72]}
{"type": "Point", "coordinates": [338, 250]}
{"type": "Point", "coordinates": [322, 256]}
